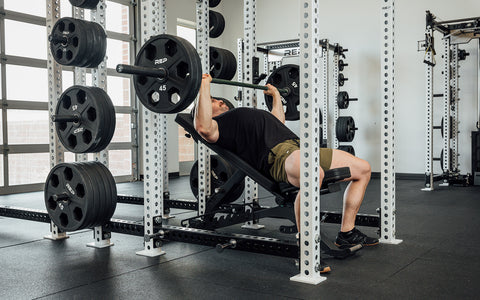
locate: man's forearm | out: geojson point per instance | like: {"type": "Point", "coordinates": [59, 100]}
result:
{"type": "Point", "coordinates": [277, 108]}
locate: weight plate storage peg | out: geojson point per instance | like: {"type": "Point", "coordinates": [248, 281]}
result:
{"type": "Point", "coordinates": [286, 77]}
{"type": "Point", "coordinates": [345, 129]}
{"type": "Point", "coordinates": [182, 76]}
{"type": "Point", "coordinates": [76, 197]}
{"type": "Point", "coordinates": [88, 4]}
{"type": "Point", "coordinates": [75, 42]}
{"type": "Point", "coordinates": [220, 172]}
{"type": "Point", "coordinates": [84, 119]}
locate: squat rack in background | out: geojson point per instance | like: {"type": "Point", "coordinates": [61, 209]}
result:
{"type": "Point", "coordinates": [455, 32]}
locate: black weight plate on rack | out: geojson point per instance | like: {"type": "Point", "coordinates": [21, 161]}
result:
{"type": "Point", "coordinates": [111, 189]}
{"type": "Point", "coordinates": [73, 214]}
{"type": "Point", "coordinates": [223, 64]}
{"type": "Point", "coordinates": [184, 68]}
{"type": "Point", "coordinates": [88, 4]}
{"type": "Point", "coordinates": [83, 136]}
{"type": "Point", "coordinates": [286, 76]}
{"type": "Point", "coordinates": [98, 44]}
{"type": "Point", "coordinates": [345, 129]}
{"type": "Point", "coordinates": [75, 49]}
{"type": "Point", "coordinates": [108, 116]}
{"type": "Point", "coordinates": [92, 178]}
{"type": "Point", "coordinates": [216, 22]}
{"type": "Point", "coordinates": [213, 3]}
{"type": "Point", "coordinates": [221, 171]}
{"type": "Point", "coordinates": [343, 100]}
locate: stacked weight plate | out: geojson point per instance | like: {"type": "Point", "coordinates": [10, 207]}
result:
{"type": "Point", "coordinates": [80, 195]}
{"type": "Point", "coordinates": [75, 42]}
{"type": "Point", "coordinates": [96, 119]}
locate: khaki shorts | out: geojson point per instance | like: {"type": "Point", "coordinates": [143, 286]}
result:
{"type": "Point", "coordinates": [279, 153]}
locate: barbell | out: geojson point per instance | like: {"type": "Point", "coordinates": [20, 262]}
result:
{"type": "Point", "coordinates": [168, 74]}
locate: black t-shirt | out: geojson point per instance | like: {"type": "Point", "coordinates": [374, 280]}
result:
{"type": "Point", "coordinates": [250, 133]}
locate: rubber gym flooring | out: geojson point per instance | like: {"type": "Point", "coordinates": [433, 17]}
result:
{"type": "Point", "coordinates": [438, 258]}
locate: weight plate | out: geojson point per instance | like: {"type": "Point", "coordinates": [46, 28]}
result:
{"type": "Point", "coordinates": [85, 135]}
{"type": "Point", "coordinates": [341, 79]}
{"type": "Point", "coordinates": [70, 51]}
{"type": "Point", "coordinates": [108, 117]}
{"type": "Point", "coordinates": [98, 44]}
{"type": "Point", "coordinates": [223, 64]}
{"type": "Point", "coordinates": [345, 129]}
{"type": "Point", "coordinates": [92, 178]}
{"type": "Point", "coordinates": [216, 22]}
{"type": "Point", "coordinates": [221, 171]}
{"type": "Point", "coordinates": [213, 3]}
{"type": "Point", "coordinates": [343, 100]}
{"type": "Point", "coordinates": [184, 74]}
{"type": "Point", "coordinates": [110, 189]}
{"type": "Point", "coordinates": [286, 76]}
{"type": "Point", "coordinates": [73, 212]}
{"type": "Point", "coordinates": [88, 4]}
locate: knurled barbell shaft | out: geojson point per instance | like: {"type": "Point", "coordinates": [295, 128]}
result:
{"type": "Point", "coordinates": [137, 70]}
{"type": "Point", "coordinates": [247, 85]}
{"type": "Point", "coordinates": [65, 118]}
{"type": "Point", "coordinates": [162, 74]}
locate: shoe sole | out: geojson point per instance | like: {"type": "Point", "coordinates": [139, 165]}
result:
{"type": "Point", "coordinates": [351, 245]}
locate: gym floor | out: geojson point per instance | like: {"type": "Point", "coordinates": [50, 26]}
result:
{"type": "Point", "coordinates": [438, 258]}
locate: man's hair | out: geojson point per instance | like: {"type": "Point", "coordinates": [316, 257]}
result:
{"type": "Point", "coordinates": [227, 103]}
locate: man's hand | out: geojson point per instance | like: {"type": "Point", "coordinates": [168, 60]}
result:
{"type": "Point", "coordinates": [272, 91]}
{"type": "Point", "coordinates": [206, 79]}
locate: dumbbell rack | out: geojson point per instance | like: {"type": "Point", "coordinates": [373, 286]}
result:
{"type": "Point", "coordinates": [451, 39]}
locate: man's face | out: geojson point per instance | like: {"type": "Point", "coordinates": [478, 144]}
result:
{"type": "Point", "coordinates": [218, 107]}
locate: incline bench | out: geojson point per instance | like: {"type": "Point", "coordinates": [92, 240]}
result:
{"type": "Point", "coordinates": [283, 192]}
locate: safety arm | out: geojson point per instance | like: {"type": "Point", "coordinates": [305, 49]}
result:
{"type": "Point", "coordinates": [204, 124]}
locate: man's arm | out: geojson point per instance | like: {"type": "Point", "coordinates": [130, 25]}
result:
{"type": "Point", "coordinates": [204, 124]}
{"type": "Point", "coordinates": [277, 107]}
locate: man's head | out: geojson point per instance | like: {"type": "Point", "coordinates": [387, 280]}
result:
{"type": "Point", "coordinates": [220, 105]}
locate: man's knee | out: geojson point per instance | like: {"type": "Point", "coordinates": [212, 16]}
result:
{"type": "Point", "coordinates": [364, 168]}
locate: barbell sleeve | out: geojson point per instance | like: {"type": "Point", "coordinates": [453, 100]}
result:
{"type": "Point", "coordinates": [136, 70]}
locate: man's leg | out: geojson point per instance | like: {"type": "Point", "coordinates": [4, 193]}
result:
{"type": "Point", "coordinates": [360, 176]}
{"type": "Point", "coordinates": [292, 168]}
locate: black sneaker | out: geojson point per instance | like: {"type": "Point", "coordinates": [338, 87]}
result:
{"type": "Point", "coordinates": [354, 237]}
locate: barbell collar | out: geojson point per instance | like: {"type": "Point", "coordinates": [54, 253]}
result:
{"type": "Point", "coordinates": [160, 73]}
{"type": "Point", "coordinates": [66, 118]}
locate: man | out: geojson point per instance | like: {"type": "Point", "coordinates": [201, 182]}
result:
{"type": "Point", "coordinates": [262, 139]}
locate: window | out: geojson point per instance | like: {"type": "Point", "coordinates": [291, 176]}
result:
{"type": "Point", "coordinates": [26, 122]}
